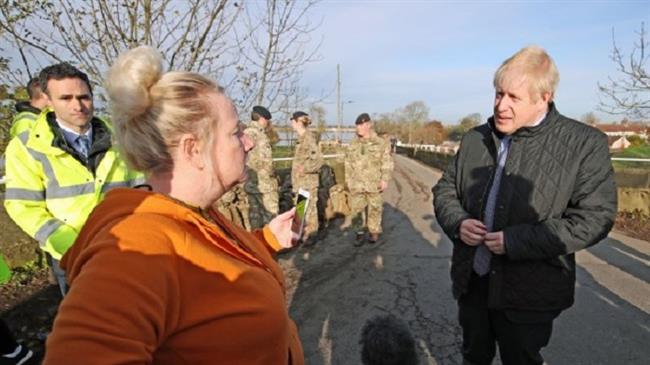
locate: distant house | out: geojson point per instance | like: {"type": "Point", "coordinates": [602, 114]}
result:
{"type": "Point", "coordinates": [617, 143]}
{"type": "Point", "coordinates": [446, 147]}
{"type": "Point", "coordinates": [450, 146]}
{"type": "Point", "coordinates": [624, 129]}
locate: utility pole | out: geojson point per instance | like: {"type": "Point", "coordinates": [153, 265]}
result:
{"type": "Point", "coordinates": [339, 118]}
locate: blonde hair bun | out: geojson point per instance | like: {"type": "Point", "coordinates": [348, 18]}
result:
{"type": "Point", "coordinates": [129, 82]}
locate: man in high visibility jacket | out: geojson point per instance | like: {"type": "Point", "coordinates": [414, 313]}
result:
{"type": "Point", "coordinates": [28, 111]}
{"type": "Point", "coordinates": [59, 170]}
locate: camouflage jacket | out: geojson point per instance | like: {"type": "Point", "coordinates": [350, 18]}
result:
{"type": "Point", "coordinates": [308, 159]}
{"type": "Point", "coordinates": [367, 163]}
{"type": "Point", "coordinates": [261, 177]}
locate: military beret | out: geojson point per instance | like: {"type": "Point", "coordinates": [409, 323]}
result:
{"type": "Point", "coordinates": [362, 118]}
{"type": "Point", "coordinates": [262, 112]}
{"type": "Point", "coordinates": [298, 114]}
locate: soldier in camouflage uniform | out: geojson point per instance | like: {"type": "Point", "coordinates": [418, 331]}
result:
{"type": "Point", "coordinates": [306, 165]}
{"type": "Point", "coordinates": [233, 204]}
{"type": "Point", "coordinates": [262, 186]}
{"type": "Point", "coordinates": [368, 168]}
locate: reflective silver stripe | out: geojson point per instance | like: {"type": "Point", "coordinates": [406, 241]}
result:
{"type": "Point", "coordinates": [47, 167]}
{"type": "Point", "coordinates": [29, 116]}
{"type": "Point", "coordinates": [138, 181]}
{"type": "Point", "coordinates": [113, 185]}
{"type": "Point", "coordinates": [47, 229]}
{"type": "Point", "coordinates": [55, 191]}
{"type": "Point", "coordinates": [23, 137]}
{"type": "Point", "coordinates": [24, 194]}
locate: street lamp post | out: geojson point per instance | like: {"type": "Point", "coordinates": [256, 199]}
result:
{"type": "Point", "coordinates": [338, 132]}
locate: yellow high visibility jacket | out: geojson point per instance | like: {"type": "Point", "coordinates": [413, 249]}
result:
{"type": "Point", "coordinates": [51, 189]}
{"type": "Point", "coordinates": [24, 119]}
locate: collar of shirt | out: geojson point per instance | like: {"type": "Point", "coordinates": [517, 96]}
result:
{"type": "Point", "coordinates": [71, 136]}
{"type": "Point", "coordinates": [539, 121]}
{"type": "Point", "coordinates": [505, 143]}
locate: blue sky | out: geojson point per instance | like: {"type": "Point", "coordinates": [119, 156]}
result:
{"type": "Point", "coordinates": [445, 52]}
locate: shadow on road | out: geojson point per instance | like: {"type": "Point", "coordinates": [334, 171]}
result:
{"type": "Point", "coordinates": [342, 286]}
{"type": "Point", "coordinates": [600, 328]}
{"type": "Point", "coordinates": [624, 258]}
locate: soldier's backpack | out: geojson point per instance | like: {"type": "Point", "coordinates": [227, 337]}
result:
{"type": "Point", "coordinates": [338, 203]}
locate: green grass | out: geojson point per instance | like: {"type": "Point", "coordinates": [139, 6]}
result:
{"type": "Point", "coordinates": [635, 152]}
{"type": "Point", "coordinates": [282, 151]}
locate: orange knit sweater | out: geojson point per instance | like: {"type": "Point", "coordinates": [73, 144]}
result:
{"type": "Point", "coordinates": [153, 282]}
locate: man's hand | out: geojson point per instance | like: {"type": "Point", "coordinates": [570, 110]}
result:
{"type": "Point", "coordinates": [495, 243]}
{"type": "Point", "coordinates": [281, 227]}
{"type": "Point", "coordinates": [472, 231]}
{"type": "Point", "coordinates": [383, 185]}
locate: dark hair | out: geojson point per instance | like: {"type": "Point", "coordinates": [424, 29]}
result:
{"type": "Point", "coordinates": [61, 71]}
{"type": "Point", "coordinates": [33, 88]}
{"type": "Point", "coordinates": [386, 340]}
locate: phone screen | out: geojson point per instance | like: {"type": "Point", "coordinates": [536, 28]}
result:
{"type": "Point", "coordinates": [299, 217]}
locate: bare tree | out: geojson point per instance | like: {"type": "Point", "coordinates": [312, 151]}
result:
{"type": "Point", "coordinates": [317, 113]}
{"type": "Point", "coordinates": [469, 121]}
{"type": "Point", "coordinates": [629, 93]}
{"type": "Point", "coordinates": [413, 116]}
{"type": "Point", "coordinates": [385, 123]}
{"type": "Point", "coordinates": [589, 118]}
{"type": "Point", "coordinates": [257, 50]}
{"type": "Point", "coordinates": [190, 35]}
{"type": "Point", "coordinates": [276, 44]}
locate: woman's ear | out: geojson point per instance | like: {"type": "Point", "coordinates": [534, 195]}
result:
{"type": "Point", "coordinates": [190, 151]}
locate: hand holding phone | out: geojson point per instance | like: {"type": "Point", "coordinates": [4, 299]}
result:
{"type": "Point", "coordinates": [281, 228]}
{"type": "Point", "coordinates": [298, 223]}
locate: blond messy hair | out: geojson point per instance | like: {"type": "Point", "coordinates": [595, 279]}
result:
{"type": "Point", "coordinates": [533, 64]}
{"type": "Point", "coordinates": [151, 109]}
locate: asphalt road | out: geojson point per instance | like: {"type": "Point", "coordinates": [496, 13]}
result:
{"type": "Point", "coordinates": [337, 287]}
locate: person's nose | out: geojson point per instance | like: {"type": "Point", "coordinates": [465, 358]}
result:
{"type": "Point", "coordinates": [501, 104]}
{"type": "Point", "coordinates": [78, 105]}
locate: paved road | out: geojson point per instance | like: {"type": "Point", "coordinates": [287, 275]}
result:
{"type": "Point", "coordinates": [337, 287]}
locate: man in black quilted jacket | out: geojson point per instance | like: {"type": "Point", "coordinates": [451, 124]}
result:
{"type": "Point", "coordinates": [524, 193]}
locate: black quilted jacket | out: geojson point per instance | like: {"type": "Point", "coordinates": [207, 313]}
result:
{"type": "Point", "coordinates": [557, 196]}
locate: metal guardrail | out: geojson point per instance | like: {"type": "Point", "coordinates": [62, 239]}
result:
{"type": "Point", "coordinates": [630, 159]}
{"type": "Point", "coordinates": [2, 178]}
{"type": "Point", "coordinates": [291, 158]}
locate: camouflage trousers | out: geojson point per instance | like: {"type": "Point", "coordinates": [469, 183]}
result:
{"type": "Point", "coordinates": [370, 217]}
{"type": "Point", "coordinates": [262, 208]}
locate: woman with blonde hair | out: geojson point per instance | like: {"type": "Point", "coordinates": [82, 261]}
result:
{"type": "Point", "coordinates": [157, 276]}
{"type": "Point", "coordinates": [306, 165]}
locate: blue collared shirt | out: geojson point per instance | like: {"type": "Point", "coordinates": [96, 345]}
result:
{"type": "Point", "coordinates": [72, 136]}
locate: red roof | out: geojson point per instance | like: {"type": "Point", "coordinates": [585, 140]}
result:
{"type": "Point", "coordinates": [634, 128]}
